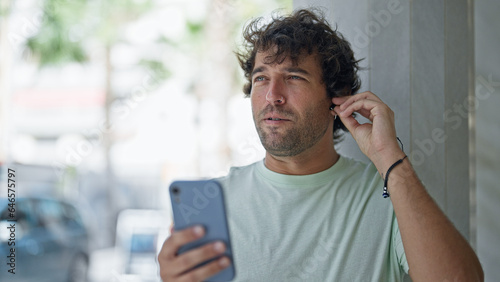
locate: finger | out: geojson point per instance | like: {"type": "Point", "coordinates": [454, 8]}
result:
{"type": "Point", "coordinates": [206, 271]}
{"type": "Point", "coordinates": [336, 112]}
{"type": "Point", "coordinates": [340, 100]}
{"type": "Point", "coordinates": [192, 258]}
{"type": "Point", "coordinates": [348, 100]}
{"type": "Point", "coordinates": [359, 97]}
{"type": "Point", "coordinates": [178, 239]}
{"type": "Point", "coordinates": [363, 107]}
{"type": "Point", "coordinates": [366, 95]}
{"type": "Point", "coordinates": [350, 123]}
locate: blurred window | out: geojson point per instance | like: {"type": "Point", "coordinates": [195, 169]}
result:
{"type": "Point", "coordinates": [50, 213]}
{"type": "Point", "coordinates": [70, 216]}
{"type": "Point", "coordinates": [143, 243]}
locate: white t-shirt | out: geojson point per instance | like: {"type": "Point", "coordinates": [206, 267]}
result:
{"type": "Point", "coordinates": [330, 226]}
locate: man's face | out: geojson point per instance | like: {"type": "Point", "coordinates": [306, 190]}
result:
{"type": "Point", "coordinates": [289, 104]}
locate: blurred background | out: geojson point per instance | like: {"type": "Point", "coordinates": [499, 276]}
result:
{"type": "Point", "coordinates": [104, 103]}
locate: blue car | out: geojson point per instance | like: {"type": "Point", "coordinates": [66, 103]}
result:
{"type": "Point", "coordinates": [42, 239]}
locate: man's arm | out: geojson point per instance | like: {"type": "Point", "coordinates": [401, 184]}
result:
{"type": "Point", "coordinates": [434, 248]}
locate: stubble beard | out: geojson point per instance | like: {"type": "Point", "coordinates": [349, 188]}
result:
{"type": "Point", "coordinates": [294, 140]}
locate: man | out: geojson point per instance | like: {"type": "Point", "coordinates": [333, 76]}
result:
{"type": "Point", "coordinates": [305, 213]}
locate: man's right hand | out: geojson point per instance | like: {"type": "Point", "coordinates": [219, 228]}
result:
{"type": "Point", "coordinates": [174, 267]}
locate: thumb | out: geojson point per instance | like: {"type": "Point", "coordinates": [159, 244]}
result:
{"type": "Point", "coordinates": [350, 122]}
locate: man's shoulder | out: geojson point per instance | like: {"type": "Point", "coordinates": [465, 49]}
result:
{"type": "Point", "coordinates": [358, 174]}
{"type": "Point", "coordinates": [238, 172]}
{"type": "Point", "coordinates": [358, 167]}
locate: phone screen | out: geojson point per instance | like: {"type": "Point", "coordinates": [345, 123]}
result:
{"type": "Point", "coordinates": [202, 203]}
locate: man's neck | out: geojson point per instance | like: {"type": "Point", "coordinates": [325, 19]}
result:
{"type": "Point", "coordinates": [311, 161]}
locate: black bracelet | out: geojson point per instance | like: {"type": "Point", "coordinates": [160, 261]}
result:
{"type": "Point", "coordinates": [385, 194]}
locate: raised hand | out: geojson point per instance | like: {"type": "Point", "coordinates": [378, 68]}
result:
{"type": "Point", "coordinates": [377, 140]}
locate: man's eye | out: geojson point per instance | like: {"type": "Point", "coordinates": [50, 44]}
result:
{"type": "Point", "coordinates": [295, 77]}
{"type": "Point", "coordinates": [259, 78]}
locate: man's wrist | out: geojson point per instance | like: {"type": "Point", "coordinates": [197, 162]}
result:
{"type": "Point", "coordinates": [400, 177]}
{"type": "Point", "coordinates": [386, 160]}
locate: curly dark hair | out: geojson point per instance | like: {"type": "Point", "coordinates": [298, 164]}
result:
{"type": "Point", "coordinates": [305, 30]}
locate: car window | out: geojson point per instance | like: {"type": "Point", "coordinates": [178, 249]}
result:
{"type": "Point", "coordinates": [50, 212]}
{"type": "Point", "coordinates": [70, 216]}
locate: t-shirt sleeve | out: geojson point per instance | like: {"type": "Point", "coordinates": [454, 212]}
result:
{"type": "Point", "coordinates": [398, 246]}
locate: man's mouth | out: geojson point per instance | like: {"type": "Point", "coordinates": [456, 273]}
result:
{"type": "Point", "coordinates": [275, 121]}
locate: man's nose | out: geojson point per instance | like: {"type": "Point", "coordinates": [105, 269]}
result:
{"type": "Point", "coordinates": [275, 93]}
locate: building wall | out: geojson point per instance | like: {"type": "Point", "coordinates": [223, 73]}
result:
{"type": "Point", "coordinates": [487, 42]}
{"type": "Point", "coordinates": [435, 63]}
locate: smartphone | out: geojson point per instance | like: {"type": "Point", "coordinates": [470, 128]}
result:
{"type": "Point", "coordinates": [202, 203]}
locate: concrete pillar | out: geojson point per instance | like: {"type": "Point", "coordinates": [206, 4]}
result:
{"type": "Point", "coordinates": [487, 42]}
{"type": "Point", "coordinates": [419, 59]}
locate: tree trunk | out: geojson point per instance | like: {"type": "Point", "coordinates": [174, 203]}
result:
{"type": "Point", "coordinates": [108, 143]}
{"type": "Point", "coordinates": [218, 84]}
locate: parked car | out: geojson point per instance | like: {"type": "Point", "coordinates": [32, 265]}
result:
{"type": "Point", "coordinates": [139, 237]}
{"type": "Point", "coordinates": [51, 241]}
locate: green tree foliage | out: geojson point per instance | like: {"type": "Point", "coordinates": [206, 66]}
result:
{"type": "Point", "coordinates": [59, 38]}
{"type": "Point", "coordinates": [68, 26]}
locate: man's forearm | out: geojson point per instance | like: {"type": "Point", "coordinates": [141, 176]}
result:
{"type": "Point", "coordinates": [434, 248]}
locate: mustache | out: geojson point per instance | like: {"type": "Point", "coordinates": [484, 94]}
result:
{"type": "Point", "coordinates": [279, 111]}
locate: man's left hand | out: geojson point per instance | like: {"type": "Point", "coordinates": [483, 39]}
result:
{"type": "Point", "coordinates": [377, 140]}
